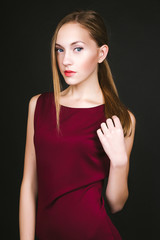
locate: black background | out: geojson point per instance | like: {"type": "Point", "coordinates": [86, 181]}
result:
{"type": "Point", "coordinates": [133, 27]}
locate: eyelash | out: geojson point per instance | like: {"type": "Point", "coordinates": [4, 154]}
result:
{"type": "Point", "coordinates": [57, 49]}
{"type": "Point", "coordinates": [78, 48]}
{"type": "Point", "coordinates": [74, 49]}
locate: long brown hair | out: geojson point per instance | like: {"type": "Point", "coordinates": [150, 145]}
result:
{"type": "Point", "coordinates": [94, 23]}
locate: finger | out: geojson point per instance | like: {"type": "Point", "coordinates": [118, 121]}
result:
{"type": "Point", "coordinates": [117, 122]}
{"type": "Point", "coordinates": [104, 128]}
{"type": "Point", "coordinates": [110, 124]}
{"type": "Point", "coordinates": [100, 135]}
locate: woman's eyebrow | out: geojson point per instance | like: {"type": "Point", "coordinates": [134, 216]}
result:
{"type": "Point", "coordinates": [73, 43]}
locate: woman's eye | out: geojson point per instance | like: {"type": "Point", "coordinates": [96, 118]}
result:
{"type": "Point", "coordinates": [79, 49]}
{"type": "Point", "coordinates": [59, 50]}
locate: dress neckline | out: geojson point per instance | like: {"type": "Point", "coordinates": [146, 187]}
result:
{"type": "Point", "coordinates": [80, 108]}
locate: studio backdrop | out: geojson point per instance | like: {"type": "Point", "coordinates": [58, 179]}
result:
{"type": "Point", "coordinates": [133, 28]}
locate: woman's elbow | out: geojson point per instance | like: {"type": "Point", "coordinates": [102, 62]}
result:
{"type": "Point", "coordinates": [117, 207]}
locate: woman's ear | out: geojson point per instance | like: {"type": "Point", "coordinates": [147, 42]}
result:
{"type": "Point", "coordinates": [103, 51]}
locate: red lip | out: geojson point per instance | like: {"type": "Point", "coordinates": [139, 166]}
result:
{"type": "Point", "coordinates": [69, 73]}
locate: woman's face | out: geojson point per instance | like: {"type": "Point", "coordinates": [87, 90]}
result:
{"type": "Point", "coordinates": [76, 51]}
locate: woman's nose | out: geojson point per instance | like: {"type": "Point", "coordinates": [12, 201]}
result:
{"type": "Point", "coordinates": [67, 58]}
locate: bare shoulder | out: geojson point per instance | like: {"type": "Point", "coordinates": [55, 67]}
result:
{"type": "Point", "coordinates": [130, 139]}
{"type": "Point", "coordinates": [133, 119]}
{"type": "Point", "coordinates": [33, 101]}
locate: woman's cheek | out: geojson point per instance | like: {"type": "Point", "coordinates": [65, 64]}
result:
{"type": "Point", "coordinates": [59, 63]}
{"type": "Point", "coordinates": [89, 64]}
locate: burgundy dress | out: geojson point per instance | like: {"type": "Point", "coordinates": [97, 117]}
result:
{"type": "Point", "coordinates": [71, 169]}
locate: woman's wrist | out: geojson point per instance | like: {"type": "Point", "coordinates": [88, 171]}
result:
{"type": "Point", "coordinates": [119, 162]}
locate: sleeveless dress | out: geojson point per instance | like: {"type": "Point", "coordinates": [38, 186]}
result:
{"type": "Point", "coordinates": [71, 168]}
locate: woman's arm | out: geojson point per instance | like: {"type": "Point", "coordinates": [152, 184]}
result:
{"type": "Point", "coordinates": [118, 149]}
{"type": "Point", "coordinates": [29, 189]}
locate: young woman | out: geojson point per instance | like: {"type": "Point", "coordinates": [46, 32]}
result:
{"type": "Point", "coordinates": [75, 138]}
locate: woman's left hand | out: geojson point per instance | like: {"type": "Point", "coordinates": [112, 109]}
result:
{"type": "Point", "coordinates": [112, 139]}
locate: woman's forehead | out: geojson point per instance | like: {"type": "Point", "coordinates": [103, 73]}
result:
{"type": "Point", "coordinates": [70, 33]}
